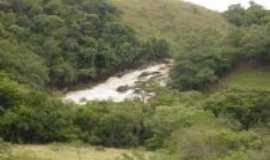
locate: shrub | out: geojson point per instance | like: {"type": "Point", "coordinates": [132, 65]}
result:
{"type": "Point", "coordinates": [11, 93]}
{"type": "Point", "coordinates": [109, 127]}
{"type": "Point", "coordinates": [250, 108]}
{"type": "Point", "coordinates": [204, 144]}
{"type": "Point", "coordinates": [40, 120]}
{"type": "Point", "coordinates": [201, 67]}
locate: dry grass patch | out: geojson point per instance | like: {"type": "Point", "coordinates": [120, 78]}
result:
{"type": "Point", "coordinates": [66, 152]}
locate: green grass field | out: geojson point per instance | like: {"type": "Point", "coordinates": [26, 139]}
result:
{"type": "Point", "coordinates": [248, 77]}
{"type": "Point", "coordinates": [174, 20]}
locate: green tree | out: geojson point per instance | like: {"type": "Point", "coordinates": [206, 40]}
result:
{"type": "Point", "coordinates": [39, 120]}
{"type": "Point", "coordinates": [11, 93]}
{"type": "Point", "coordinates": [250, 108]}
{"type": "Point", "coordinates": [240, 16]}
{"type": "Point", "coordinates": [201, 67]}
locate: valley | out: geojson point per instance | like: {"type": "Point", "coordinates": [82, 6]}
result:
{"type": "Point", "coordinates": [155, 79]}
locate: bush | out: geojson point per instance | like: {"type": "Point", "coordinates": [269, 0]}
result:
{"type": "Point", "coordinates": [250, 108]}
{"type": "Point", "coordinates": [209, 144]}
{"type": "Point", "coordinates": [40, 120]}
{"type": "Point", "coordinates": [43, 120]}
{"type": "Point", "coordinates": [239, 16]}
{"type": "Point", "coordinates": [201, 67]}
{"type": "Point", "coordinates": [109, 127]}
{"type": "Point", "coordinates": [11, 93]}
{"type": "Point", "coordinates": [237, 155]}
{"type": "Point", "coordinates": [113, 125]}
{"type": "Point", "coordinates": [157, 49]}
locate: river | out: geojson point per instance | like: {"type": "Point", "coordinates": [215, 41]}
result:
{"type": "Point", "coordinates": [122, 87]}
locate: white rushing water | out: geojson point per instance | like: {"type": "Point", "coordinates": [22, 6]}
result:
{"type": "Point", "coordinates": [120, 88]}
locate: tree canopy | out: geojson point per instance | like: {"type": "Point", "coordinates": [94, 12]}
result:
{"type": "Point", "coordinates": [65, 42]}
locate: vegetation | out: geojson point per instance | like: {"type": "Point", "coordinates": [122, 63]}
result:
{"type": "Point", "coordinates": [59, 43]}
{"type": "Point", "coordinates": [227, 124]}
{"type": "Point", "coordinates": [209, 62]}
{"type": "Point", "coordinates": [248, 76]}
{"type": "Point", "coordinates": [47, 120]}
{"type": "Point", "coordinates": [63, 42]}
{"type": "Point", "coordinates": [249, 108]}
{"type": "Point", "coordinates": [5, 151]}
{"type": "Point", "coordinates": [239, 16]}
{"type": "Point", "coordinates": [176, 21]}
{"type": "Point", "coordinates": [201, 66]}
{"type": "Point", "coordinates": [67, 152]}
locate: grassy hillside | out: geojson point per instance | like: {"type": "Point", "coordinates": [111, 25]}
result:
{"type": "Point", "coordinates": [249, 77]}
{"type": "Point", "coordinates": [173, 20]}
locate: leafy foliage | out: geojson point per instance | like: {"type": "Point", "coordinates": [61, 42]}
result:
{"type": "Point", "coordinates": [206, 61]}
{"type": "Point", "coordinates": [61, 43]}
{"type": "Point", "coordinates": [201, 67]}
{"type": "Point", "coordinates": [40, 120]}
{"type": "Point", "coordinates": [65, 42]}
{"type": "Point", "coordinates": [250, 108]}
{"type": "Point", "coordinates": [239, 16]}
{"type": "Point", "coordinates": [11, 93]}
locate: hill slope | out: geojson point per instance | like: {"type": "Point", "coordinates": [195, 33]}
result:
{"type": "Point", "coordinates": [63, 43]}
{"type": "Point", "coordinates": [249, 77]}
{"type": "Point", "coordinates": [173, 20]}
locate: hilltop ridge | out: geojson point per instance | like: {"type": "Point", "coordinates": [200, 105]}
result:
{"type": "Point", "coordinates": [172, 20]}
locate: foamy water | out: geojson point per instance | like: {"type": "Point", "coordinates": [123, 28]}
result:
{"type": "Point", "coordinates": [109, 90]}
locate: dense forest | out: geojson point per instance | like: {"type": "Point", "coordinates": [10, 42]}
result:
{"type": "Point", "coordinates": [61, 43]}
{"type": "Point", "coordinates": [65, 42]}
